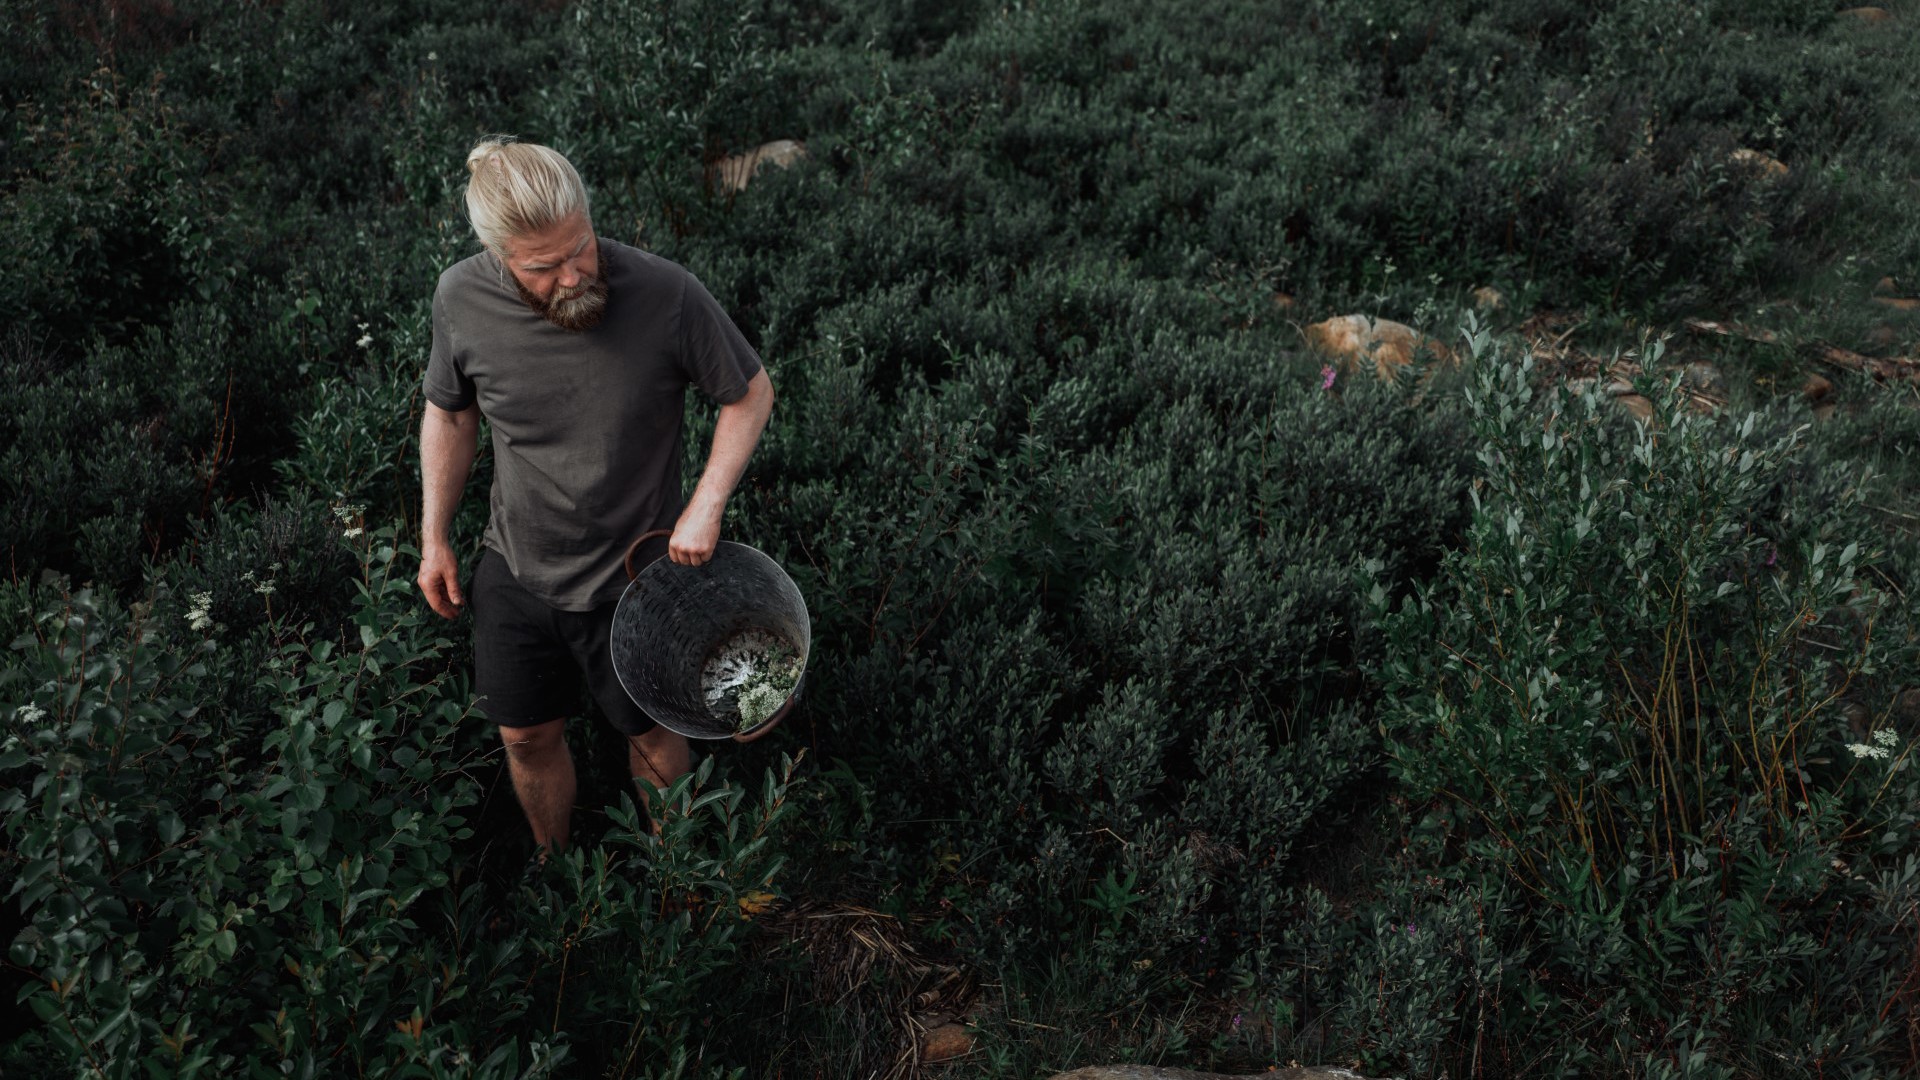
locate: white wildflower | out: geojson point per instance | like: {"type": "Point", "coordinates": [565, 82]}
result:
{"type": "Point", "coordinates": [29, 714]}
{"type": "Point", "coordinates": [200, 611]}
{"type": "Point", "coordinates": [759, 702]}
{"type": "Point", "coordinates": [348, 515]}
{"type": "Point", "coordinates": [433, 56]}
{"type": "Point", "coordinates": [1868, 750]}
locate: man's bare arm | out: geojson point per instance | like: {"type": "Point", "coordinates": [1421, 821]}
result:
{"type": "Point", "coordinates": [448, 442]}
{"type": "Point", "coordinates": [735, 435]}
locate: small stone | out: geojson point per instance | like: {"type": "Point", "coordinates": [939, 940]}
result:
{"type": "Point", "coordinates": [1886, 286]}
{"type": "Point", "coordinates": [1703, 378]}
{"type": "Point", "coordinates": [1283, 301]}
{"type": "Point", "coordinates": [946, 1042]}
{"type": "Point", "coordinates": [1816, 388]}
{"type": "Point", "coordinates": [1859, 720]}
{"type": "Point", "coordinates": [1755, 161]}
{"type": "Point", "coordinates": [1906, 708]}
{"type": "Point", "coordinates": [1356, 339]}
{"type": "Point", "coordinates": [1637, 404]}
{"type": "Point", "coordinates": [1488, 298]}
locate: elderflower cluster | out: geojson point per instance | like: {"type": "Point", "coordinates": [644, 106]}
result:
{"type": "Point", "coordinates": [1881, 746]}
{"type": "Point", "coordinates": [349, 516]}
{"type": "Point", "coordinates": [200, 611]}
{"type": "Point", "coordinates": [758, 702]}
{"type": "Point", "coordinates": [263, 586]}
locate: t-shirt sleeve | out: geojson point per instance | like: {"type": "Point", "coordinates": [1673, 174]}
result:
{"type": "Point", "coordinates": [447, 386]}
{"type": "Point", "coordinates": [714, 353]}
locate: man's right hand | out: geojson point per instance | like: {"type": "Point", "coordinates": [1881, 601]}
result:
{"type": "Point", "coordinates": [440, 580]}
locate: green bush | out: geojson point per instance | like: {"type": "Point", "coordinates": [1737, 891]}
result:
{"type": "Point", "coordinates": [114, 211]}
{"type": "Point", "coordinates": [1109, 722]}
{"type": "Point", "coordinates": [107, 460]}
{"type": "Point", "coordinates": [207, 891]}
{"type": "Point", "coordinates": [1650, 700]}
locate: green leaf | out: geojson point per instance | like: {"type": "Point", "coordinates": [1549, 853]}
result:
{"type": "Point", "coordinates": [112, 1023]}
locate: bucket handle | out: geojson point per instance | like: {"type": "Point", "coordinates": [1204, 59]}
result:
{"type": "Point", "coordinates": [644, 537]}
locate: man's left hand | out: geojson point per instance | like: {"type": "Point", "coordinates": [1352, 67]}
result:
{"type": "Point", "coordinates": [734, 434]}
{"type": "Point", "coordinates": [694, 537]}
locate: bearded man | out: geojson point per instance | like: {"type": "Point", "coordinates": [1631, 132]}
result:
{"type": "Point", "coordinates": [578, 351]}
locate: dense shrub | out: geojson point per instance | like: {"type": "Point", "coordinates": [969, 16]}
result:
{"type": "Point", "coordinates": [112, 208]}
{"type": "Point", "coordinates": [1651, 702]}
{"type": "Point", "coordinates": [1106, 722]}
{"type": "Point", "coordinates": [206, 888]}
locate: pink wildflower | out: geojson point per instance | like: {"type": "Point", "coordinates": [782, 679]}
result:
{"type": "Point", "coordinates": [1327, 375]}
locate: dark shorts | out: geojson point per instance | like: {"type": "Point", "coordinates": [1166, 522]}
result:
{"type": "Point", "coordinates": [530, 661]}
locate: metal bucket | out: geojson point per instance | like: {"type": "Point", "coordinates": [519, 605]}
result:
{"type": "Point", "coordinates": [674, 621]}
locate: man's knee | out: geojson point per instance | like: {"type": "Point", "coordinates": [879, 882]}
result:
{"type": "Point", "coordinates": [659, 755]}
{"type": "Point", "coordinates": [536, 742]}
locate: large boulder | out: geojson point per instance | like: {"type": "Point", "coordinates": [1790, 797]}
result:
{"type": "Point", "coordinates": [1362, 339]}
{"type": "Point", "coordinates": [731, 174]}
{"type": "Point", "coordinates": [1757, 162]}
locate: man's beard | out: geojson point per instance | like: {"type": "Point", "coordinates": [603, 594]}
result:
{"type": "Point", "coordinates": [582, 310]}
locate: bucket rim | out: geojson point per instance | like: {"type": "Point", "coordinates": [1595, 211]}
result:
{"type": "Point", "coordinates": [738, 550]}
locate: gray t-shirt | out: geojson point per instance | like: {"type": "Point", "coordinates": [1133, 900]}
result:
{"type": "Point", "coordinates": [586, 425]}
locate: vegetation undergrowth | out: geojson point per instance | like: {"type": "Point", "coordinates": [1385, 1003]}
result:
{"type": "Point", "coordinates": [1178, 696]}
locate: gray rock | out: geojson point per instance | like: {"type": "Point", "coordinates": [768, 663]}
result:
{"type": "Point", "coordinates": [732, 174]}
{"type": "Point", "coordinates": [1703, 378]}
{"type": "Point", "coordinates": [1906, 710]}
{"type": "Point", "coordinates": [1635, 404]}
{"type": "Point", "coordinates": [1755, 161]}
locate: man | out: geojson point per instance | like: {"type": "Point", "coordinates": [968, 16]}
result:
{"type": "Point", "coordinates": [578, 351]}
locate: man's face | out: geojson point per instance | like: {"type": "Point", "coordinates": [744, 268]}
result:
{"type": "Point", "coordinates": [558, 273]}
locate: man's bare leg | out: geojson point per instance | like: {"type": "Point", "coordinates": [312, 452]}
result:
{"type": "Point", "coordinates": [542, 770]}
{"type": "Point", "coordinates": [657, 759]}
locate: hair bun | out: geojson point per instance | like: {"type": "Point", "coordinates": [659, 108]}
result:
{"type": "Point", "coordinates": [518, 188]}
{"type": "Point", "coordinates": [484, 149]}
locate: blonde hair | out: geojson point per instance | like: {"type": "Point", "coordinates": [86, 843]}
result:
{"type": "Point", "coordinates": [517, 188]}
